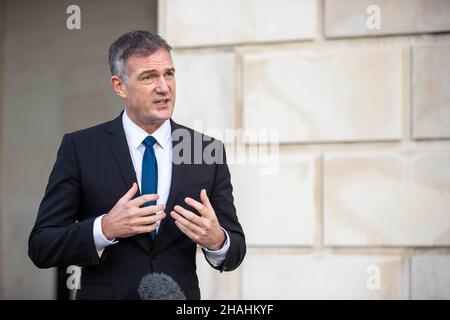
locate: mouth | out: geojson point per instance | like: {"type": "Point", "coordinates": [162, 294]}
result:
{"type": "Point", "coordinates": [161, 102]}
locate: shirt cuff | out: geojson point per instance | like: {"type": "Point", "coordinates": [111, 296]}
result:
{"type": "Point", "coordinates": [216, 257]}
{"type": "Point", "coordinates": [99, 238]}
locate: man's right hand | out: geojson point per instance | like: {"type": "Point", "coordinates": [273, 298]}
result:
{"type": "Point", "coordinates": [127, 218]}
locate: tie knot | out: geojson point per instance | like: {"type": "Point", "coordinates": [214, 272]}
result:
{"type": "Point", "coordinates": [149, 141]}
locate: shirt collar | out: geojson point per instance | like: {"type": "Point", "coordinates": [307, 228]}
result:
{"type": "Point", "coordinates": [136, 134]}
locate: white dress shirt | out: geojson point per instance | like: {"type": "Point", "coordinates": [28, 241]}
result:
{"type": "Point", "coordinates": [135, 135]}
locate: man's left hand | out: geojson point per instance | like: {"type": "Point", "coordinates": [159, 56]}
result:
{"type": "Point", "coordinates": [205, 229]}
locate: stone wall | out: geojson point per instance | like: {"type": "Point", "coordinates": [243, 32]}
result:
{"type": "Point", "coordinates": [359, 206]}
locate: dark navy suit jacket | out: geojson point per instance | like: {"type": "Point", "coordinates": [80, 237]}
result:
{"type": "Point", "coordinates": [92, 171]}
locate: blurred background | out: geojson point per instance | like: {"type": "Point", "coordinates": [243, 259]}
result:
{"type": "Point", "coordinates": [358, 91]}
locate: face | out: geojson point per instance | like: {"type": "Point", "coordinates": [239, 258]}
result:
{"type": "Point", "coordinates": [149, 90]}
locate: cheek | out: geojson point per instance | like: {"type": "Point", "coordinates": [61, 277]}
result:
{"type": "Point", "coordinates": [143, 94]}
{"type": "Point", "coordinates": [140, 101]}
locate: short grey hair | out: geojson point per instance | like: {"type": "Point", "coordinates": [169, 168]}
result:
{"type": "Point", "coordinates": [133, 43]}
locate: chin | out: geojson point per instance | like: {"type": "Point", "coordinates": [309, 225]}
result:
{"type": "Point", "coordinates": [160, 116]}
{"type": "Point", "coordinates": [167, 114]}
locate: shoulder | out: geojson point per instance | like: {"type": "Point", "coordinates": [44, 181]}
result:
{"type": "Point", "coordinates": [92, 133]}
{"type": "Point", "coordinates": [192, 146]}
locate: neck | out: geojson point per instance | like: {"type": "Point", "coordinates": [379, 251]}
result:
{"type": "Point", "coordinates": [148, 127]}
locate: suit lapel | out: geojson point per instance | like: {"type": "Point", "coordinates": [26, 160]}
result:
{"type": "Point", "coordinates": [177, 172]}
{"type": "Point", "coordinates": [119, 147]}
{"type": "Point", "coordinates": [168, 229]}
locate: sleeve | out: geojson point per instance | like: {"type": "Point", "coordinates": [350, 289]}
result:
{"type": "Point", "coordinates": [223, 203]}
{"type": "Point", "coordinates": [99, 238]}
{"type": "Point", "coordinates": [216, 257]}
{"type": "Point", "coordinates": [57, 238]}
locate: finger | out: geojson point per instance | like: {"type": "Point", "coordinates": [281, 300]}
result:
{"type": "Point", "coordinates": [203, 210]}
{"type": "Point", "coordinates": [205, 199]}
{"type": "Point", "coordinates": [150, 210]}
{"type": "Point", "coordinates": [143, 221]}
{"type": "Point", "coordinates": [130, 193]}
{"type": "Point", "coordinates": [186, 231]}
{"type": "Point", "coordinates": [186, 223]}
{"type": "Point", "coordinates": [146, 229]}
{"type": "Point", "coordinates": [139, 201]}
{"type": "Point", "coordinates": [189, 215]}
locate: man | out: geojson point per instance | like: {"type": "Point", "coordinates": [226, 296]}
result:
{"type": "Point", "coordinates": [124, 199]}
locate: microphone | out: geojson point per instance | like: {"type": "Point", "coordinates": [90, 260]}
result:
{"type": "Point", "coordinates": [159, 286]}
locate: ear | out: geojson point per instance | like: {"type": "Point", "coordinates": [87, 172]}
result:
{"type": "Point", "coordinates": [118, 86]}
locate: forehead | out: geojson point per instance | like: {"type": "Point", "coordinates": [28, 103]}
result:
{"type": "Point", "coordinates": [159, 60]}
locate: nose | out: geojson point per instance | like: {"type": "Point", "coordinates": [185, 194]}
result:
{"type": "Point", "coordinates": [161, 86]}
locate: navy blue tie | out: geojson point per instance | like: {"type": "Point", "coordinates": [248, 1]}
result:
{"type": "Point", "coordinates": [149, 173]}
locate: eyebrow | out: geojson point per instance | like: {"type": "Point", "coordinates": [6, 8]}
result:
{"type": "Point", "coordinates": [155, 71]}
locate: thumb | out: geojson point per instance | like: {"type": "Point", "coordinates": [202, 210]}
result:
{"type": "Point", "coordinates": [205, 199]}
{"type": "Point", "coordinates": [130, 193]}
